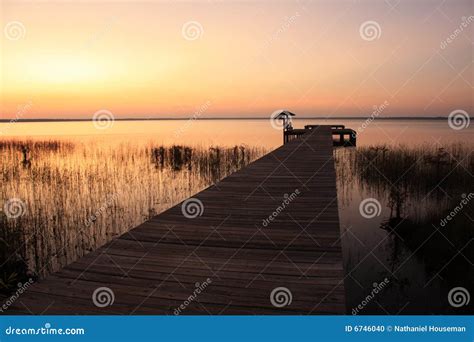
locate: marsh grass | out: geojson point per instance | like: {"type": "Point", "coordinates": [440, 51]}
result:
{"type": "Point", "coordinates": [409, 176]}
{"type": "Point", "coordinates": [79, 196]}
{"type": "Point", "coordinates": [420, 185]}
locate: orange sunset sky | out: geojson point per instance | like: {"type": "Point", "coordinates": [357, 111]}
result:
{"type": "Point", "coordinates": [69, 59]}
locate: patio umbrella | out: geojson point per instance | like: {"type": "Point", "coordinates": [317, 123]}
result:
{"type": "Point", "coordinates": [284, 114]}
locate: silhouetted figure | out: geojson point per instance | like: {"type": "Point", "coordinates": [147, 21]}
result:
{"type": "Point", "coordinates": [26, 160]}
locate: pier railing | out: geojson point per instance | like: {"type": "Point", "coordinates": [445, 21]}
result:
{"type": "Point", "coordinates": [342, 136]}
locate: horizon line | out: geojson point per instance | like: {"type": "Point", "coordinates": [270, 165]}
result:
{"type": "Point", "coordinates": [225, 118]}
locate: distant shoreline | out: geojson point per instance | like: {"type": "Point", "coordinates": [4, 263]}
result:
{"type": "Point", "coordinates": [232, 118]}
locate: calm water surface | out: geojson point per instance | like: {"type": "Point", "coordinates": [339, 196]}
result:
{"type": "Point", "coordinates": [375, 249]}
{"type": "Point", "coordinates": [235, 132]}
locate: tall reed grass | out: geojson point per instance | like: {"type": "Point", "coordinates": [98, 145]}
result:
{"type": "Point", "coordinates": [422, 177]}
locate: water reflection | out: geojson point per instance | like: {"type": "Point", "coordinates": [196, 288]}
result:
{"type": "Point", "coordinates": [407, 243]}
{"type": "Point", "coordinates": [138, 169]}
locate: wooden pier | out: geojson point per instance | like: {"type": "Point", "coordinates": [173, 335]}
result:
{"type": "Point", "coordinates": [264, 240]}
{"type": "Point", "coordinates": [342, 136]}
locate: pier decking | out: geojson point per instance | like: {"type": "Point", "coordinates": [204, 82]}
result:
{"type": "Point", "coordinates": [273, 224]}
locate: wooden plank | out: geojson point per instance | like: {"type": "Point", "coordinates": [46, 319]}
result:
{"type": "Point", "coordinates": [155, 267]}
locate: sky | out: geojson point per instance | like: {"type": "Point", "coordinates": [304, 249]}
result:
{"type": "Point", "coordinates": [70, 59]}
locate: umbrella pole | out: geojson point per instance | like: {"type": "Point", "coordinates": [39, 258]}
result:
{"type": "Point", "coordinates": [284, 135]}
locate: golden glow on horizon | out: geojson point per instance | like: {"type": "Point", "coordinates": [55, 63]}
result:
{"type": "Point", "coordinates": [250, 59]}
{"type": "Point", "coordinates": [62, 70]}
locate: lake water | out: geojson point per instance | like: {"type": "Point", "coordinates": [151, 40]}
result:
{"type": "Point", "coordinates": [236, 132]}
{"type": "Point", "coordinates": [418, 264]}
